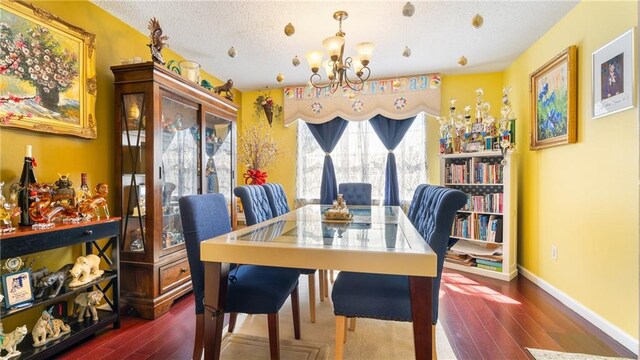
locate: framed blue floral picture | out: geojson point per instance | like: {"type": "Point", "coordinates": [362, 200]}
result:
{"type": "Point", "coordinates": [554, 101]}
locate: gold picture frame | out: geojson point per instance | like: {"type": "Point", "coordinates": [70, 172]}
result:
{"type": "Point", "coordinates": [553, 89]}
{"type": "Point", "coordinates": [47, 72]}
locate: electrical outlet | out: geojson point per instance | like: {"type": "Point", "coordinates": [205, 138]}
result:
{"type": "Point", "coordinates": [554, 252]}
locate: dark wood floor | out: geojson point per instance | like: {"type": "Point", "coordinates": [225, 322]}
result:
{"type": "Point", "coordinates": [483, 319]}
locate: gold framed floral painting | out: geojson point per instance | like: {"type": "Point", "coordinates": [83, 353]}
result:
{"type": "Point", "coordinates": [554, 98]}
{"type": "Point", "coordinates": [47, 72]}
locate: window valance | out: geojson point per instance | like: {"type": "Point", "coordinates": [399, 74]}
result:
{"type": "Point", "coordinates": [316, 106]}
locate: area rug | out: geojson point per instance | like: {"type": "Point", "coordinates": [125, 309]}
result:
{"type": "Point", "coordinates": [540, 354]}
{"type": "Point", "coordinates": [241, 346]}
{"type": "Point", "coordinates": [373, 339]}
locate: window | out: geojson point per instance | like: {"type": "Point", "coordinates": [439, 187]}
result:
{"type": "Point", "coordinates": [360, 156]}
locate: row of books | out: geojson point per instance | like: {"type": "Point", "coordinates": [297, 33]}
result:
{"type": "Point", "coordinates": [485, 173]}
{"type": "Point", "coordinates": [483, 227]}
{"type": "Point", "coordinates": [485, 203]}
{"type": "Point", "coordinates": [458, 173]}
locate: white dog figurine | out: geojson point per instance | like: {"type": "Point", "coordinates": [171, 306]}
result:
{"type": "Point", "coordinates": [86, 269]}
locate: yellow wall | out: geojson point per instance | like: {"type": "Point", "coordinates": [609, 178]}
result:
{"type": "Point", "coordinates": [283, 170]}
{"type": "Point", "coordinates": [64, 154]}
{"type": "Point", "coordinates": [582, 197]}
{"type": "Point", "coordinates": [463, 89]}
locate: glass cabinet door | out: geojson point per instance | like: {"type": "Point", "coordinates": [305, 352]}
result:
{"type": "Point", "coordinates": [180, 170]}
{"type": "Point", "coordinates": [217, 171]}
{"type": "Point", "coordinates": [132, 160]}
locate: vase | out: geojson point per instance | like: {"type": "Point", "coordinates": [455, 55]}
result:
{"type": "Point", "coordinates": [268, 111]}
{"type": "Point", "coordinates": [49, 99]}
{"type": "Point", "coordinates": [190, 70]}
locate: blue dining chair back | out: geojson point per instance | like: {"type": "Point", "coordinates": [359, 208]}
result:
{"type": "Point", "coordinates": [387, 297]}
{"type": "Point", "coordinates": [355, 193]}
{"type": "Point", "coordinates": [277, 199]}
{"type": "Point", "coordinates": [279, 206]}
{"type": "Point", "coordinates": [255, 203]}
{"type": "Point", "coordinates": [255, 290]}
{"type": "Point", "coordinates": [415, 203]}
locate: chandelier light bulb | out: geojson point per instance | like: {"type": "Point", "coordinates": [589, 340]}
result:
{"type": "Point", "coordinates": [232, 52]}
{"type": "Point", "coordinates": [462, 61]}
{"type": "Point", "coordinates": [280, 78]}
{"type": "Point", "coordinates": [406, 52]}
{"type": "Point", "coordinates": [289, 29]}
{"type": "Point", "coordinates": [295, 61]}
{"type": "Point", "coordinates": [408, 9]}
{"type": "Point", "coordinates": [314, 58]}
{"type": "Point", "coordinates": [477, 21]}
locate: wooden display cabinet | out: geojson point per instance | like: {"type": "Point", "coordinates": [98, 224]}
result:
{"type": "Point", "coordinates": [173, 138]}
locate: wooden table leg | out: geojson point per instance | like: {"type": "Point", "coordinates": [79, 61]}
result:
{"type": "Point", "coordinates": [215, 296]}
{"type": "Point", "coordinates": [421, 307]}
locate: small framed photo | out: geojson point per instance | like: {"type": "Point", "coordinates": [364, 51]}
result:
{"type": "Point", "coordinates": [474, 146]}
{"type": "Point", "coordinates": [477, 127]}
{"type": "Point", "coordinates": [16, 288]}
{"type": "Point", "coordinates": [612, 71]}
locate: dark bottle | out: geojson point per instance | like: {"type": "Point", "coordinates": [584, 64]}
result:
{"type": "Point", "coordinates": [27, 178]}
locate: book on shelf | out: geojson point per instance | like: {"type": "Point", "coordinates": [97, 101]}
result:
{"type": "Point", "coordinates": [497, 264]}
{"type": "Point", "coordinates": [462, 259]}
{"type": "Point", "coordinates": [489, 267]}
{"type": "Point", "coordinates": [495, 229]}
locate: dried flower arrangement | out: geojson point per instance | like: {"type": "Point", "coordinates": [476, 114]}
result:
{"type": "Point", "coordinates": [257, 150]}
{"type": "Point", "coordinates": [265, 103]}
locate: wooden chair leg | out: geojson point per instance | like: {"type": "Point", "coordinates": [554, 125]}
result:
{"type": "Point", "coordinates": [344, 331]}
{"type": "Point", "coordinates": [198, 346]}
{"type": "Point", "coordinates": [341, 325]}
{"type": "Point", "coordinates": [331, 276]}
{"type": "Point", "coordinates": [352, 324]}
{"type": "Point", "coordinates": [326, 284]}
{"type": "Point", "coordinates": [434, 353]}
{"type": "Point", "coordinates": [274, 337]}
{"type": "Point", "coordinates": [321, 284]}
{"type": "Point", "coordinates": [312, 297]}
{"type": "Point", "coordinates": [295, 310]}
{"type": "Point", "coordinates": [232, 321]}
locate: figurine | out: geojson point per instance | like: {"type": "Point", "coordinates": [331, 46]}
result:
{"type": "Point", "coordinates": [10, 342]}
{"type": "Point", "coordinates": [87, 303]}
{"type": "Point", "coordinates": [157, 40]}
{"type": "Point", "coordinates": [37, 275]}
{"type": "Point", "coordinates": [64, 194]}
{"type": "Point", "coordinates": [85, 270]}
{"type": "Point", "coordinates": [53, 280]}
{"type": "Point", "coordinates": [226, 87]}
{"type": "Point", "coordinates": [47, 328]}
{"type": "Point", "coordinates": [339, 211]}
{"type": "Point", "coordinates": [90, 207]}
{"type": "Point", "coordinates": [340, 204]}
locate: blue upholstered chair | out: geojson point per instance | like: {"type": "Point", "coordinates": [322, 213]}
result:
{"type": "Point", "coordinates": [355, 193]}
{"type": "Point", "coordinates": [255, 290]}
{"type": "Point", "coordinates": [413, 208]}
{"type": "Point", "coordinates": [255, 203]}
{"type": "Point", "coordinates": [272, 196]}
{"type": "Point", "coordinates": [387, 297]}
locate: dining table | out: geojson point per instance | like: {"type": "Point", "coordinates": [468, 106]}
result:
{"type": "Point", "coordinates": [376, 239]}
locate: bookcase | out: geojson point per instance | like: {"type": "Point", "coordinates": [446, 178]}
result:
{"type": "Point", "coordinates": [483, 235]}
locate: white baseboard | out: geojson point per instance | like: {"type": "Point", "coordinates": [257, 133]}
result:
{"type": "Point", "coordinates": [615, 332]}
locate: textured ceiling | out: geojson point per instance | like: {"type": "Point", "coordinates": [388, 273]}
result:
{"type": "Point", "coordinates": [438, 34]}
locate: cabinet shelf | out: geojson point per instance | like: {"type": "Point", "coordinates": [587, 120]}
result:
{"type": "Point", "coordinates": [27, 241]}
{"type": "Point", "coordinates": [489, 179]}
{"type": "Point", "coordinates": [108, 275]}
{"type": "Point", "coordinates": [473, 184]}
{"type": "Point", "coordinates": [79, 330]}
{"type": "Point", "coordinates": [193, 151]}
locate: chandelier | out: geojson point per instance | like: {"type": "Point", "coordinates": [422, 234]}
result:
{"type": "Point", "coordinates": [350, 71]}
